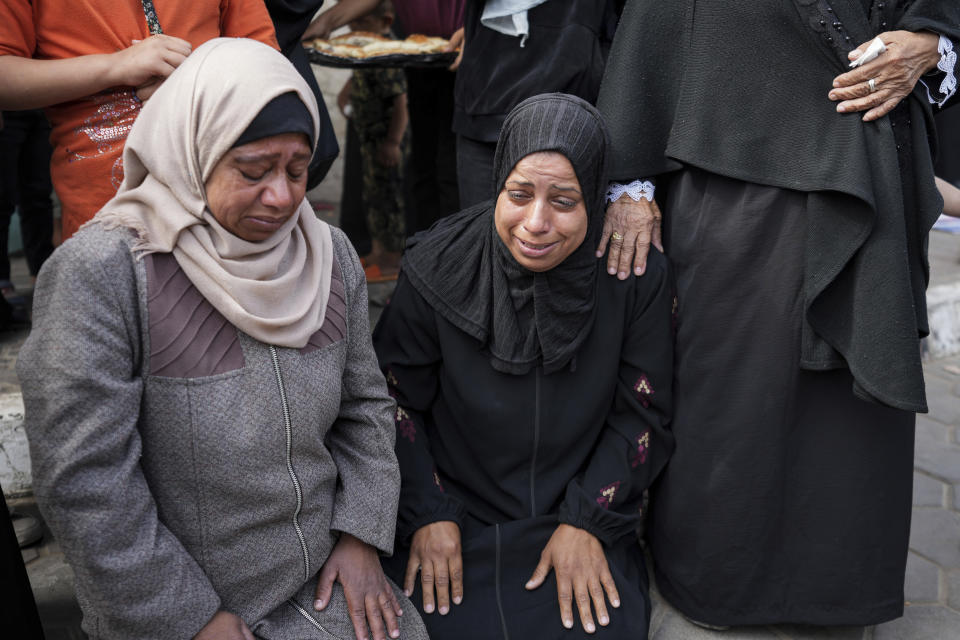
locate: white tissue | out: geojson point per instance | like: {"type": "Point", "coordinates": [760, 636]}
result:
{"type": "Point", "coordinates": [876, 48]}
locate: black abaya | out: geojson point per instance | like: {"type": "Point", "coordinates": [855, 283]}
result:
{"type": "Point", "coordinates": [788, 498]}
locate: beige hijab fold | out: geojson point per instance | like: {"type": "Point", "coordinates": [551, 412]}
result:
{"type": "Point", "coordinates": [275, 290]}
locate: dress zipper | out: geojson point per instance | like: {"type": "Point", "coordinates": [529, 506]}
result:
{"type": "Point", "coordinates": [503, 617]}
{"type": "Point", "coordinates": [536, 443]}
{"type": "Point", "coordinates": [306, 614]}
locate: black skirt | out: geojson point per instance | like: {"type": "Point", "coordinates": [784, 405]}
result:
{"type": "Point", "coordinates": [787, 499]}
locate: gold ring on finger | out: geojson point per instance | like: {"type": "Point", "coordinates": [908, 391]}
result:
{"type": "Point", "coordinates": [872, 83]}
{"type": "Point", "coordinates": [616, 236]}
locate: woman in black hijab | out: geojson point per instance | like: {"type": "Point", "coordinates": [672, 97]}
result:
{"type": "Point", "coordinates": [533, 398]}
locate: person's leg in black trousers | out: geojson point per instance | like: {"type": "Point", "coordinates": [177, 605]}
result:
{"type": "Point", "coordinates": [36, 207]}
{"type": "Point", "coordinates": [474, 170]}
{"type": "Point", "coordinates": [948, 139]}
{"type": "Point", "coordinates": [25, 179]}
{"type": "Point", "coordinates": [19, 610]}
{"type": "Point", "coordinates": [432, 170]}
{"type": "Point", "coordinates": [12, 135]}
{"type": "Point", "coordinates": [353, 219]}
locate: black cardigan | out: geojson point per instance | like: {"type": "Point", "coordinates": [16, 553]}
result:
{"type": "Point", "coordinates": [564, 53]}
{"type": "Point", "coordinates": [740, 89]}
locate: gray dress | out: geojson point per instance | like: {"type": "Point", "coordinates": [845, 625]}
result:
{"type": "Point", "coordinates": [185, 467]}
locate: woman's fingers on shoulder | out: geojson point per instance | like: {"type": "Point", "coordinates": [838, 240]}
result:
{"type": "Point", "coordinates": [657, 226]}
{"type": "Point", "coordinates": [630, 227]}
{"type": "Point", "coordinates": [637, 258]}
{"type": "Point", "coordinates": [617, 240]}
{"type": "Point", "coordinates": [604, 235]}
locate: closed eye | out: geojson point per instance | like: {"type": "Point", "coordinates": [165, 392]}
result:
{"type": "Point", "coordinates": [252, 177]}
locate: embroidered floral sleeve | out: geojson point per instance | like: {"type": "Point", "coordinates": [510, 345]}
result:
{"type": "Point", "coordinates": [947, 68]}
{"type": "Point", "coordinates": [606, 499]}
{"type": "Point", "coordinates": [410, 369]}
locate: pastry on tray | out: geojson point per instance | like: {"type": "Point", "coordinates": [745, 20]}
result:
{"type": "Point", "coordinates": [359, 45]}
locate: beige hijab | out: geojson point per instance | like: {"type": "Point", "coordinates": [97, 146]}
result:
{"type": "Point", "coordinates": [276, 290]}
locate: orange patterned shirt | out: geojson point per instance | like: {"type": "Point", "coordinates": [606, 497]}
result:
{"type": "Point", "coordinates": [88, 134]}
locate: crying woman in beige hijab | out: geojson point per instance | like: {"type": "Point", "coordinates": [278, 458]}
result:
{"type": "Point", "coordinates": [212, 440]}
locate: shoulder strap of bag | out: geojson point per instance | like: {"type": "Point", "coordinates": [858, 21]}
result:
{"type": "Point", "coordinates": [153, 23]}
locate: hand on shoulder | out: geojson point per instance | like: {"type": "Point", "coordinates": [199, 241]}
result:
{"type": "Point", "coordinates": [629, 228]}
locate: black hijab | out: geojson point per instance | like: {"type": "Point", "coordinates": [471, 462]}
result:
{"type": "Point", "coordinates": [466, 273]}
{"type": "Point", "coordinates": [284, 114]}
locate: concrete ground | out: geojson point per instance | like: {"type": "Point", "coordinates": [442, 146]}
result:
{"type": "Point", "coordinates": [933, 568]}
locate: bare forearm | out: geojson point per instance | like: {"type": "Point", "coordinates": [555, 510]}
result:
{"type": "Point", "coordinates": [398, 119]}
{"type": "Point", "coordinates": [340, 14]}
{"type": "Point", "coordinates": [31, 84]}
{"type": "Point", "coordinates": [348, 10]}
{"type": "Point", "coordinates": [951, 198]}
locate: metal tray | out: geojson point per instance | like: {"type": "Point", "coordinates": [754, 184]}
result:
{"type": "Point", "coordinates": [391, 60]}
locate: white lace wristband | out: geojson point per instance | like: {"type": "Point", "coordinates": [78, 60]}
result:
{"type": "Point", "coordinates": [636, 190]}
{"type": "Point", "coordinates": [947, 64]}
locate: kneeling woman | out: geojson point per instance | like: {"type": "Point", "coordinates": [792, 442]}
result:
{"type": "Point", "coordinates": [210, 434]}
{"type": "Point", "coordinates": [533, 399]}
